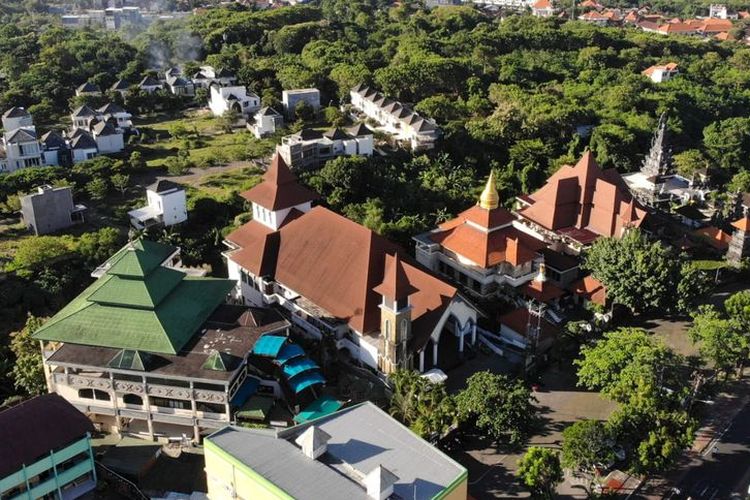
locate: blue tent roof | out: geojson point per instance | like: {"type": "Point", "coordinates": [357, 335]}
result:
{"type": "Point", "coordinates": [305, 380]}
{"type": "Point", "coordinates": [269, 345]}
{"type": "Point", "coordinates": [298, 365]}
{"type": "Point", "coordinates": [289, 351]}
{"type": "Point", "coordinates": [247, 389]}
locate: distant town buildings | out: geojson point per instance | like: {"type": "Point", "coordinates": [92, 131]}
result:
{"type": "Point", "coordinates": [50, 209]}
{"type": "Point", "coordinates": [166, 206]}
{"type": "Point", "coordinates": [310, 148]}
{"type": "Point", "coordinates": [46, 450]}
{"type": "Point", "coordinates": [395, 119]}
{"type": "Point", "coordinates": [357, 452]}
{"type": "Point", "coordinates": [543, 8]}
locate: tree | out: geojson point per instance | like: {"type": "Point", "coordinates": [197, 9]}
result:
{"type": "Point", "coordinates": [629, 360]}
{"type": "Point", "coordinates": [229, 119]}
{"type": "Point", "coordinates": [689, 162]}
{"type": "Point", "coordinates": [425, 407]}
{"type": "Point", "coordinates": [98, 187]}
{"type": "Point", "coordinates": [501, 408]}
{"type": "Point", "coordinates": [585, 444]}
{"type": "Point", "coordinates": [35, 252]}
{"type": "Point", "coordinates": [28, 370]}
{"type": "Point", "coordinates": [96, 247]}
{"type": "Point", "coordinates": [136, 161]}
{"type": "Point", "coordinates": [304, 112]}
{"type": "Point", "coordinates": [738, 308]}
{"type": "Point", "coordinates": [121, 182]}
{"type": "Point", "coordinates": [694, 283]}
{"type": "Point", "coordinates": [539, 469]}
{"type": "Point", "coordinates": [637, 273]}
{"type": "Point", "coordinates": [334, 116]}
{"type": "Point", "coordinates": [720, 340]}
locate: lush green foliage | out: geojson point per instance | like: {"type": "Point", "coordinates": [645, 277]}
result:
{"type": "Point", "coordinates": [585, 444]}
{"type": "Point", "coordinates": [644, 275]}
{"type": "Point", "coordinates": [539, 469]}
{"type": "Point", "coordinates": [422, 405]}
{"type": "Point", "coordinates": [501, 408]}
{"type": "Point", "coordinates": [28, 371]}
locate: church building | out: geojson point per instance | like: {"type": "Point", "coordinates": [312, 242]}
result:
{"type": "Point", "coordinates": [337, 279]}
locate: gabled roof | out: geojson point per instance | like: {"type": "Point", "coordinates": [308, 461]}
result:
{"type": "Point", "coordinates": [279, 189]}
{"type": "Point", "coordinates": [336, 134]}
{"type": "Point", "coordinates": [395, 285]}
{"type": "Point", "coordinates": [164, 185]}
{"type": "Point", "coordinates": [83, 140]}
{"type": "Point", "coordinates": [88, 87]}
{"type": "Point", "coordinates": [150, 81]}
{"type": "Point", "coordinates": [584, 198]}
{"type": "Point", "coordinates": [542, 5]}
{"type": "Point", "coordinates": [742, 224]}
{"type": "Point", "coordinates": [337, 264]}
{"type": "Point", "coordinates": [359, 130]}
{"type": "Point", "coordinates": [53, 140]}
{"type": "Point", "coordinates": [105, 129]}
{"type": "Point", "coordinates": [111, 108]}
{"type": "Point", "coordinates": [138, 305]}
{"type": "Point", "coordinates": [21, 135]}
{"type": "Point", "coordinates": [268, 111]}
{"type": "Point", "coordinates": [590, 288]}
{"type": "Point", "coordinates": [32, 429]}
{"type": "Point", "coordinates": [120, 85]}
{"type": "Point", "coordinates": [224, 73]}
{"type": "Point", "coordinates": [16, 112]}
{"type": "Point", "coordinates": [84, 110]}
{"type": "Point", "coordinates": [714, 237]}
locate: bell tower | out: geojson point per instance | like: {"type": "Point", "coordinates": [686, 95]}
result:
{"type": "Point", "coordinates": [395, 317]}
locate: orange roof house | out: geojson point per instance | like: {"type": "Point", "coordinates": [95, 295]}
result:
{"type": "Point", "coordinates": [582, 203]}
{"type": "Point", "coordinates": [591, 289]}
{"type": "Point", "coordinates": [714, 236]}
{"type": "Point", "coordinates": [331, 267]}
{"type": "Point", "coordinates": [485, 245]}
{"type": "Point", "coordinates": [742, 224]}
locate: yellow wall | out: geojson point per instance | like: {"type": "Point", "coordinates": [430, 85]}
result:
{"type": "Point", "coordinates": [224, 473]}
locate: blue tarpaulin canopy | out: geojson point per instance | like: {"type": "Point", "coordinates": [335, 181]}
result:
{"type": "Point", "coordinates": [324, 405]}
{"type": "Point", "coordinates": [247, 389]}
{"type": "Point", "coordinates": [269, 345]}
{"type": "Point", "coordinates": [289, 351]}
{"type": "Point", "coordinates": [305, 380]}
{"type": "Point", "coordinates": [298, 365]}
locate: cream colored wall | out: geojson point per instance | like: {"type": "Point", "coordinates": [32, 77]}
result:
{"type": "Point", "coordinates": [223, 476]}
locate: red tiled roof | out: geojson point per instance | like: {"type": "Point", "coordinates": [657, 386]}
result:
{"type": "Point", "coordinates": [488, 219]}
{"type": "Point", "coordinates": [518, 321]}
{"type": "Point", "coordinates": [487, 249]}
{"type": "Point", "coordinates": [257, 245]}
{"type": "Point", "coordinates": [590, 288]}
{"type": "Point", "coordinates": [337, 264]}
{"type": "Point", "coordinates": [714, 237]}
{"type": "Point", "coordinates": [542, 4]}
{"type": "Point", "coordinates": [742, 224]}
{"type": "Point", "coordinates": [395, 284]}
{"type": "Point", "coordinates": [585, 197]}
{"type": "Point", "coordinates": [543, 291]}
{"type": "Point", "coordinates": [279, 189]}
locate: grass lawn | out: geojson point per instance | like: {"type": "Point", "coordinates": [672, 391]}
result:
{"type": "Point", "coordinates": [206, 142]}
{"type": "Point", "coordinates": [223, 184]}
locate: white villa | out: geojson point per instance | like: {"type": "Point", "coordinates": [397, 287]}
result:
{"type": "Point", "coordinates": [20, 146]}
{"type": "Point", "coordinates": [265, 122]}
{"type": "Point", "coordinates": [166, 205]}
{"type": "Point", "coordinates": [401, 122]}
{"type": "Point", "coordinates": [238, 98]}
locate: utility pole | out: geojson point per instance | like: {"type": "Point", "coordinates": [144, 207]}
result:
{"type": "Point", "coordinates": [533, 329]}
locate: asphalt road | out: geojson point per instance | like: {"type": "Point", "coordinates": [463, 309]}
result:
{"type": "Point", "coordinates": [725, 469]}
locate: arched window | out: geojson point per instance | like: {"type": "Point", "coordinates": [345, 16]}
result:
{"type": "Point", "coordinates": [404, 328]}
{"type": "Point", "coordinates": [101, 395]}
{"type": "Point", "coordinates": [388, 329]}
{"type": "Point", "coordinates": [132, 399]}
{"type": "Point", "coordinates": [86, 393]}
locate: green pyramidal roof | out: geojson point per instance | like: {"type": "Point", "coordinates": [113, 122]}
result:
{"type": "Point", "coordinates": [216, 361]}
{"type": "Point", "coordinates": [128, 359]}
{"type": "Point", "coordinates": [158, 311]}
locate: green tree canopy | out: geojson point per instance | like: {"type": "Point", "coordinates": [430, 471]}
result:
{"type": "Point", "coordinates": [585, 444]}
{"type": "Point", "coordinates": [539, 470]}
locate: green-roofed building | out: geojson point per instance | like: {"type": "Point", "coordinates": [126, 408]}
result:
{"type": "Point", "coordinates": [149, 342]}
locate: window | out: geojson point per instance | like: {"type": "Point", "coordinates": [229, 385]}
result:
{"type": "Point", "coordinates": [132, 399]}
{"type": "Point", "coordinates": [404, 328]}
{"type": "Point", "coordinates": [387, 329]}
{"type": "Point", "coordinates": [171, 403]}
{"type": "Point", "coordinates": [93, 394]}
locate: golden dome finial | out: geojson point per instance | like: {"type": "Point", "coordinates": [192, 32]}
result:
{"type": "Point", "coordinates": [490, 199]}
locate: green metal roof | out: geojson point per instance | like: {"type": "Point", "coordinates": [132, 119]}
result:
{"type": "Point", "coordinates": [324, 405]}
{"type": "Point", "coordinates": [159, 312]}
{"type": "Point", "coordinates": [138, 258]}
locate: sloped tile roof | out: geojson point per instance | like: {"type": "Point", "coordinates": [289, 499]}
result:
{"type": "Point", "coordinates": [16, 112]}
{"type": "Point", "coordinates": [279, 188]}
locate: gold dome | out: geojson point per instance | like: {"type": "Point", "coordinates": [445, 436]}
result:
{"type": "Point", "coordinates": [490, 199]}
